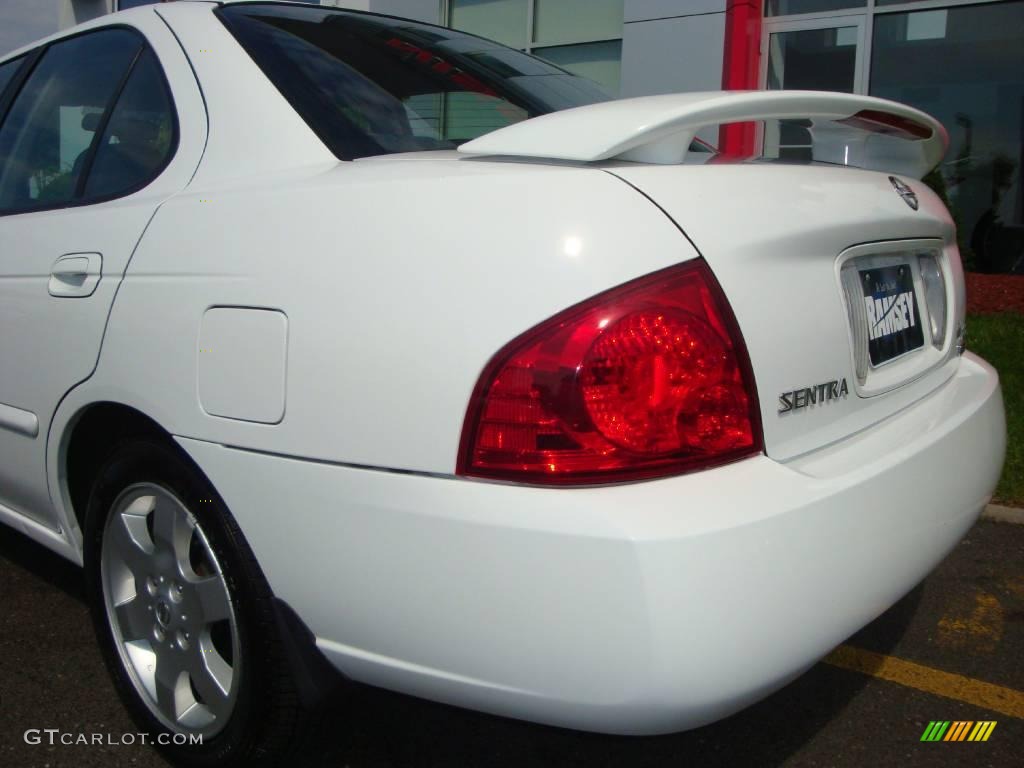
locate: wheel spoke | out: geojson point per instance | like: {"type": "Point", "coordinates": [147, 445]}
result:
{"type": "Point", "coordinates": [211, 676]}
{"type": "Point", "coordinates": [142, 657]}
{"type": "Point", "coordinates": [133, 620]}
{"type": "Point", "coordinates": [129, 538]}
{"type": "Point", "coordinates": [214, 603]}
{"type": "Point", "coordinates": [172, 530]}
{"type": "Point", "coordinates": [169, 683]}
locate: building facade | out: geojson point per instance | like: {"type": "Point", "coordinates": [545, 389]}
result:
{"type": "Point", "coordinates": [960, 60]}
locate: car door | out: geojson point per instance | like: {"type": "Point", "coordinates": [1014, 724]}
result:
{"type": "Point", "coordinates": [88, 144]}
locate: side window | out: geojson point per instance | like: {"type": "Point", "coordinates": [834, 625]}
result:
{"type": "Point", "coordinates": [139, 136]}
{"type": "Point", "coordinates": [50, 127]}
{"type": "Point", "coordinates": [7, 71]}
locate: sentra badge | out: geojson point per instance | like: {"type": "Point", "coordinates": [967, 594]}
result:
{"type": "Point", "coordinates": [819, 394]}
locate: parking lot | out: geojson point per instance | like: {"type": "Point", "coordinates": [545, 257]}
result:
{"type": "Point", "coordinates": [952, 650]}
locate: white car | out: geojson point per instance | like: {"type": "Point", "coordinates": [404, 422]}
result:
{"type": "Point", "coordinates": [334, 342]}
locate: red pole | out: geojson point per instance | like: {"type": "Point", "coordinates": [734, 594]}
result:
{"type": "Point", "coordinates": [741, 68]}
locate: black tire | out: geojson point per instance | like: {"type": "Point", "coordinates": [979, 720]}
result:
{"type": "Point", "coordinates": [267, 724]}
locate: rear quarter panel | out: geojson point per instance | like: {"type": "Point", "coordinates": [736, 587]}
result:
{"type": "Point", "coordinates": [399, 277]}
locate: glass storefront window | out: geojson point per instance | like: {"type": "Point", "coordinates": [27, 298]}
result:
{"type": "Point", "coordinates": [567, 21]}
{"type": "Point", "coordinates": [813, 59]}
{"type": "Point", "coordinates": [600, 62]}
{"type": "Point", "coordinates": [788, 7]}
{"type": "Point", "coordinates": [581, 36]}
{"type": "Point", "coordinates": [965, 66]}
{"type": "Point", "coordinates": [501, 20]}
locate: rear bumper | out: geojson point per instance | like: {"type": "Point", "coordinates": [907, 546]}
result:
{"type": "Point", "coordinates": [640, 608]}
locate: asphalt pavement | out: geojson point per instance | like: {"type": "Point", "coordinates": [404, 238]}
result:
{"type": "Point", "coordinates": [952, 650]}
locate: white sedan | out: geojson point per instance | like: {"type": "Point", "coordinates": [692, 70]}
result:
{"type": "Point", "coordinates": [339, 343]}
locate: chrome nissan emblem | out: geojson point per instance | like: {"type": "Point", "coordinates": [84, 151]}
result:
{"type": "Point", "coordinates": [905, 192]}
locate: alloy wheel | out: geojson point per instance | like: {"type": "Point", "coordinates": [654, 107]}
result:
{"type": "Point", "coordinates": [170, 611]}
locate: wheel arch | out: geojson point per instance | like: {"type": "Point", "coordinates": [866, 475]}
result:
{"type": "Point", "coordinates": [90, 436]}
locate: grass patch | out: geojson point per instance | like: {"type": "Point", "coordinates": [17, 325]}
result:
{"type": "Point", "coordinates": [1000, 340]}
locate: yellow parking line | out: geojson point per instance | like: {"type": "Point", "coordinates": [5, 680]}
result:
{"type": "Point", "coordinates": [995, 698]}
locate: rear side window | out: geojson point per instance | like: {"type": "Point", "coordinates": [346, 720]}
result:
{"type": "Point", "coordinates": [138, 138]}
{"type": "Point", "coordinates": [60, 123]}
{"type": "Point", "coordinates": [370, 84]}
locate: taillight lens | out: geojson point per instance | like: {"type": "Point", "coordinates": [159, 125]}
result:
{"type": "Point", "coordinates": [648, 379]}
{"type": "Point", "coordinates": [934, 295]}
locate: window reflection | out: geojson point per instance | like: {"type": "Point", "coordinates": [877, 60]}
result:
{"type": "Point", "coordinates": [813, 59]}
{"type": "Point", "coordinates": [965, 66]}
{"type": "Point", "coordinates": [786, 7]}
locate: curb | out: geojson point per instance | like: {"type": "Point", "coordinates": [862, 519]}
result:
{"type": "Point", "coordinates": [1003, 514]}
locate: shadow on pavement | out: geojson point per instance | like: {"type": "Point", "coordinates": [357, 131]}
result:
{"type": "Point", "coordinates": [42, 563]}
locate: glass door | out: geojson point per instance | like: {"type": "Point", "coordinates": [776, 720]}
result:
{"type": "Point", "coordinates": [965, 65]}
{"type": "Point", "coordinates": [809, 54]}
{"type": "Point", "coordinates": [814, 54]}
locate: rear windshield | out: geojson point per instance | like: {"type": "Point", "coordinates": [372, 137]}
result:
{"type": "Point", "coordinates": [374, 85]}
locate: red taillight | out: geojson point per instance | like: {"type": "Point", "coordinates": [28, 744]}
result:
{"type": "Point", "coordinates": [650, 378]}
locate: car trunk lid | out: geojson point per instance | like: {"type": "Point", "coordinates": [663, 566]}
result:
{"type": "Point", "coordinates": [778, 238]}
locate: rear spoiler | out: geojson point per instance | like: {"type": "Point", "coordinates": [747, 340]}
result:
{"type": "Point", "coordinates": [845, 129]}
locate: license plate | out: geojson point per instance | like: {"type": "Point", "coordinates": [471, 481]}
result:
{"type": "Point", "coordinates": [894, 323]}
